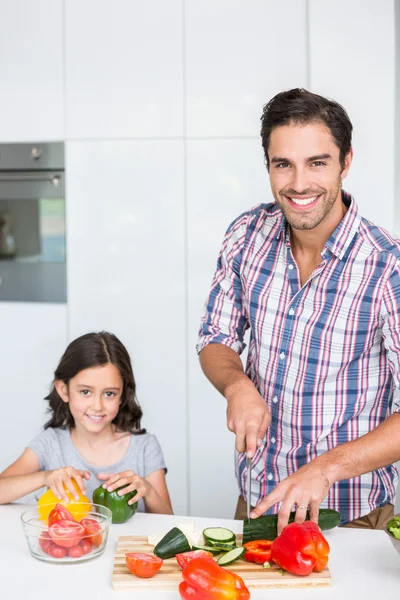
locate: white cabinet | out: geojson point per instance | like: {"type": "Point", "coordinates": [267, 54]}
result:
{"type": "Point", "coordinates": [237, 56]}
{"type": "Point", "coordinates": [34, 337]}
{"type": "Point", "coordinates": [125, 238]}
{"type": "Point", "coordinates": [124, 68]}
{"type": "Point", "coordinates": [352, 60]}
{"type": "Point", "coordinates": [31, 70]}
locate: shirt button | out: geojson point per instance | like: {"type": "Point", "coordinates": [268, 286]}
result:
{"type": "Point", "coordinates": [282, 355]}
{"type": "Point", "coordinates": [273, 440]}
{"type": "Point", "coordinates": [290, 267]}
{"type": "Point", "coordinates": [291, 312]}
{"type": "Point", "coordinates": [275, 399]}
{"type": "Point", "coordinates": [270, 476]}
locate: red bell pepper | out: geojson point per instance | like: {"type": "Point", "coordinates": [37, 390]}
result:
{"type": "Point", "coordinates": [301, 548]}
{"type": "Point", "coordinates": [258, 551]}
{"type": "Point", "coordinates": [203, 579]}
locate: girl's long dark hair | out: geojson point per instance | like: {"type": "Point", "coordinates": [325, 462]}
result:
{"type": "Point", "coordinates": [95, 350]}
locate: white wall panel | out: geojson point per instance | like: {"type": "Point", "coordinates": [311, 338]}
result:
{"type": "Point", "coordinates": [236, 180]}
{"type": "Point", "coordinates": [31, 70]}
{"type": "Point", "coordinates": [238, 55]}
{"type": "Point", "coordinates": [34, 337]}
{"type": "Point", "coordinates": [124, 68]}
{"type": "Point", "coordinates": [126, 273]}
{"type": "Point", "coordinates": [352, 56]}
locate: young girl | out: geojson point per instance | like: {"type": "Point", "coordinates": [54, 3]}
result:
{"type": "Point", "coordinates": [94, 433]}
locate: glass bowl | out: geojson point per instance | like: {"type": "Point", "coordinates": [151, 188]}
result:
{"type": "Point", "coordinates": [395, 541]}
{"type": "Point", "coordinates": [63, 546]}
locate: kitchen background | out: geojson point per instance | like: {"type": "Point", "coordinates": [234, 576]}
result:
{"type": "Point", "coordinates": [159, 105]}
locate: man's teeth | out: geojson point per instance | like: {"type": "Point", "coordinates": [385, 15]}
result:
{"type": "Point", "coordinates": [303, 202]}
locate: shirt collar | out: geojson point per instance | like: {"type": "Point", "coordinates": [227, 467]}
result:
{"type": "Point", "coordinates": [344, 233]}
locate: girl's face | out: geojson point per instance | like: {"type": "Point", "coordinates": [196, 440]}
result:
{"type": "Point", "coordinates": [94, 396]}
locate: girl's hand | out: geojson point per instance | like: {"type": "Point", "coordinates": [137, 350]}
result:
{"type": "Point", "coordinates": [131, 480]}
{"type": "Point", "coordinates": [57, 479]}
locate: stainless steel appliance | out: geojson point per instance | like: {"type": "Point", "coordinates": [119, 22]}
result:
{"type": "Point", "coordinates": [32, 223]}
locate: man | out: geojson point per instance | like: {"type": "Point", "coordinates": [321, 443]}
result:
{"type": "Point", "coordinates": [319, 288]}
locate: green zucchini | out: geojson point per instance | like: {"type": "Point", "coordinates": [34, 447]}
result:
{"type": "Point", "coordinates": [211, 549]}
{"type": "Point", "coordinates": [174, 542]}
{"type": "Point", "coordinates": [231, 556]}
{"type": "Point", "coordinates": [265, 527]}
{"type": "Point", "coordinates": [222, 547]}
{"type": "Point", "coordinates": [219, 535]}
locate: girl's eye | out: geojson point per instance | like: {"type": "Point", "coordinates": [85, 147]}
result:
{"type": "Point", "coordinates": [85, 392]}
{"type": "Point", "coordinates": [110, 394]}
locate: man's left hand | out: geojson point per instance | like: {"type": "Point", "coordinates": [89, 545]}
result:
{"type": "Point", "coordinates": [304, 490]}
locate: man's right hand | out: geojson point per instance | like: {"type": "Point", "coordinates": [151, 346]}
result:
{"type": "Point", "coordinates": [248, 416]}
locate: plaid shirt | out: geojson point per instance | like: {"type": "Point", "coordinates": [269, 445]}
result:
{"type": "Point", "coordinates": [325, 356]}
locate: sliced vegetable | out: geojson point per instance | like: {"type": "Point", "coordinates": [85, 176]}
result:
{"type": "Point", "coordinates": [301, 548]}
{"type": "Point", "coordinates": [121, 510]}
{"type": "Point", "coordinates": [211, 549]}
{"type": "Point", "coordinates": [393, 527]}
{"type": "Point", "coordinates": [219, 536]}
{"type": "Point", "coordinates": [185, 558]}
{"type": "Point", "coordinates": [204, 579]}
{"type": "Point", "coordinates": [174, 542]}
{"type": "Point", "coordinates": [66, 533]}
{"type": "Point", "coordinates": [258, 551]}
{"type": "Point", "coordinates": [93, 531]}
{"type": "Point", "coordinates": [58, 513]}
{"type": "Point", "coordinates": [142, 564]}
{"type": "Point", "coordinates": [266, 527]}
{"type": "Point", "coordinates": [231, 556]}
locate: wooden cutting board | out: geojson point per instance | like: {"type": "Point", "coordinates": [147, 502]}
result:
{"type": "Point", "coordinates": [170, 575]}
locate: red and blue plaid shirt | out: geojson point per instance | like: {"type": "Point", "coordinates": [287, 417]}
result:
{"type": "Point", "coordinates": [325, 355]}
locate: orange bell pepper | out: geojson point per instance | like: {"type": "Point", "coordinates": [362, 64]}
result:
{"type": "Point", "coordinates": [203, 579]}
{"type": "Point", "coordinates": [301, 548]}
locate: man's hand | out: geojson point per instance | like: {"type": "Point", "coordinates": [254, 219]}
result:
{"type": "Point", "coordinates": [305, 490]}
{"type": "Point", "coordinates": [247, 416]}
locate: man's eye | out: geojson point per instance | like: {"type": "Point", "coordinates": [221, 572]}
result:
{"type": "Point", "coordinates": [318, 163]}
{"type": "Point", "coordinates": [282, 165]}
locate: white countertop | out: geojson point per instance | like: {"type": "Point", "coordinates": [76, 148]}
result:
{"type": "Point", "coordinates": [363, 564]}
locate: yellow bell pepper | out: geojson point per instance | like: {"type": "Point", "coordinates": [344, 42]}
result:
{"type": "Point", "coordinates": [79, 509]}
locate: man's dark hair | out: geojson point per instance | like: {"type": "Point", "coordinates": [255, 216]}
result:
{"type": "Point", "coordinates": [300, 107]}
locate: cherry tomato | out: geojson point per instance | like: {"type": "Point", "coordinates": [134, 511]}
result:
{"type": "Point", "coordinates": [92, 531]}
{"type": "Point", "coordinates": [86, 545]}
{"type": "Point", "coordinates": [75, 551]}
{"type": "Point", "coordinates": [66, 533]}
{"type": "Point", "coordinates": [45, 541]}
{"type": "Point", "coordinates": [56, 551]}
{"type": "Point", "coordinates": [185, 557]}
{"type": "Point", "coordinates": [143, 565]}
{"type": "Point", "coordinates": [59, 513]}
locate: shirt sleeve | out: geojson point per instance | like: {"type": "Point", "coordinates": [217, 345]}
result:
{"type": "Point", "coordinates": [224, 320]}
{"type": "Point", "coordinates": [390, 313]}
{"type": "Point", "coordinates": [42, 446]}
{"type": "Point", "coordinates": [153, 456]}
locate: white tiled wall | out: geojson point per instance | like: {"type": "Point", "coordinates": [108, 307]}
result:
{"type": "Point", "coordinates": [159, 103]}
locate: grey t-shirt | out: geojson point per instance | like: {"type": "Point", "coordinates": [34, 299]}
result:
{"type": "Point", "coordinates": [55, 449]}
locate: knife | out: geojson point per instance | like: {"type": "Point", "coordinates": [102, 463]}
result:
{"type": "Point", "coordinates": [248, 483]}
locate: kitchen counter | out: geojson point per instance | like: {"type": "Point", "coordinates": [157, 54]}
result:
{"type": "Point", "coordinates": [363, 564]}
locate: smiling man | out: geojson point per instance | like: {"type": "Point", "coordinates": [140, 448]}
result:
{"type": "Point", "coordinates": [319, 287]}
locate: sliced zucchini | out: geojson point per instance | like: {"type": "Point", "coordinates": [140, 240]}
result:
{"type": "Point", "coordinates": [222, 547]}
{"type": "Point", "coordinates": [174, 542]}
{"type": "Point", "coordinates": [231, 556]}
{"type": "Point", "coordinates": [211, 549]}
{"type": "Point", "coordinates": [220, 535]}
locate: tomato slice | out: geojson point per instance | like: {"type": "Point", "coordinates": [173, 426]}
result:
{"type": "Point", "coordinates": [92, 531]}
{"type": "Point", "coordinates": [185, 557]}
{"type": "Point", "coordinates": [66, 533]}
{"type": "Point", "coordinates": [258, 551]}
{"type": "Point", "coordinates": [143, 565]}
{"type": "Point", "coordinates": [59, 513]}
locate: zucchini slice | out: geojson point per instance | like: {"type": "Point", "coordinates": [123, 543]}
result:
{"type": "Point", "coordinates": [231, 556]}
{"type": "Point", "coordinates": [211, 549]}
{"type": "Point", "coordinates": [174, 542]}
{"type": "Point", "coordinates": [219, 535]}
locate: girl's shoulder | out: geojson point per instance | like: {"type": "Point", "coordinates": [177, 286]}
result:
{"type": "Point", "coordinates": [50, 437]}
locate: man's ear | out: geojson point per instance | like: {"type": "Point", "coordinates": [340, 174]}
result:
{"type": "Point", "coordinates": [62, 390]}
{"type": "Point", "coordinates": [348, 159]}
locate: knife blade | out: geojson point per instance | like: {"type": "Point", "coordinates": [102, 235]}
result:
{"type": "Point", "coordinates": [248, 483]}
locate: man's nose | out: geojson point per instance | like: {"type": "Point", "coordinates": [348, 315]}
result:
{"type": "Point", "coordinates": [299, 182]}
